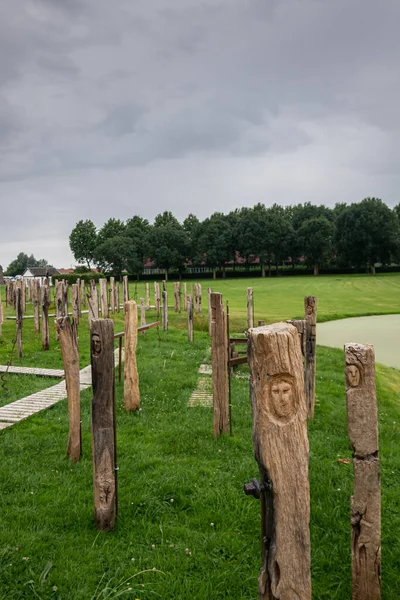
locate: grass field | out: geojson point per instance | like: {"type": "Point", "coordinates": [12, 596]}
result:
{"type": "Point", "coordinates": [185, 528]}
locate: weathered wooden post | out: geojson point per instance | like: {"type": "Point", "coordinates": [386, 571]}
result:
{"type": "Point", "coordinates": [301, 326]}
{"type": "Point", "coordinates": [131, 377]}
{"type": "Point", "coordinates": [148, 296]}
{"type": "Point", "coordinates": [177, 297]}
{"type": "Point", "coordinates": [103, 423]}
{"type": "Point", "coordinates": [189, 304]}
{"type": "Point", "coordinates": [22, 286]}
{"type": "Point", "coordinates": [35, 290]}
{"type": "Point", "coordinates": [93, 302]}
{"type": "Point", "coordinates": [209, 315]}
{"type": "Point", "coordinates": [83, 294]}
{"type": "Point", "coordinates": [310, 304]}
{"type": "Point", "coordinates": [198, 297]}
{"type": "Point", "coordinates": [1, 312]}
{"type": "Point", "coordinates": [185, 304]}
{"type": "Point", "coordinates": [125, 288]}
{"type": "Point", "coordinates": [75, 303]}
{"type": "Point", "coordinates": [117, 300]}
{"type": "Point", "coordinates": [45, 316]}
{"type": "Point", "coordinates": [68, 337]}
{"type": "Point", "coordinates": [65, 289]}
{"type": "Point", "coordinates": [19, 320]}
{"type": "Point", "coordinates": [142, 314]}
{"type": "Point", "coordinates": [164, 285]}
{"type": "Point", "coordinates": [219, 348]}
{"type": "Point", "coordinates": [281, 449]}
{"type": "Point", "coordinates": [59, 301]}
{"type": "Point", "coordinates": [165, 310]}
{"type": "Point", "coordinates": [250, 312]}
{"type": "Point", "coordinates": [362, 424]}
{"type": "Point", "coordinates": [112, 294]}
{"type": "Point", "coordinates": [103, 298]}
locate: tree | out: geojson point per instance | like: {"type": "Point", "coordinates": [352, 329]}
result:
{"type": "Point", "coordinates": [168, 243]}
{"type": "Point", "coordinates": [215, 240]}
{"type": "Point", "coordinates": [191, 225]}
{"type": "Point", "coordinates": [21, 263]}
{"type": "Point", "coordinates": [366, 233]}
{"type": "Point", "coordinates": [82, 241]}
{"type": "Point", "coordinates": [316, 237]}
{"type": "Point", "coordinates": [113, 254]}
{"type": "Point", "coordinates": [111, 228]}
{"type": "Point", "coordinates": [137, 230]}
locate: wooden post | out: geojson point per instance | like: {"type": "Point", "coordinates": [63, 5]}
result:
{"type": "Point", "coordinates": [158, 300]}
{"type": "Point", "coordinates": [250, 313]}
{"type": "Point", "coordinates": [75, 303]}
{"type": "Point", "coordinates": [117, 300]}
{"type": "Point", "coordinates": [142, 314]}
{"type": "Point", "coordinates": [281, 449]}
{"type": "Point", "coordinates": [219, 347]}
{"type": "Point", "coordinates": [93, 302]}
{"type": "Point", "coordinates": [1, 312]}
{"type": "Point", "coordinates": [59, 301]}
{"type": "Point", "coordinates": [198, 297]}
{"type": "Point", "coordinates": [148, 296]}
{"type": "Point", "coordinates": [68, 336]}
{"type": "Point", "coordinates": [19, 321]}
{"type": "Point", "coordinates": [164, 285]}
{"type": "Point", "coordinates": [189, 304]}
{"type": "Point", "coordinates": [103, 298]}
{"type": "Point", "coordinates": [45, 316]}
{"type": "Point", "coordinates": [78, 283]}
{"type": "Point", "coordinates": [165, 310]}
{"type": "Point", "coordinates": [362, 424]}
{"type": "Point", "coordinates": [301, 326]}
{"type": "Point", "coordinates": [125, 288]}
{"type": "Point", "coordinates": [83, 294]}
{"type": "Point", "coordinates": [22, 287]}
{"type": "Point", "coordinates": [185, 297]}
{"type": "Point", "coordinates": [112, 294]}
{"type": "Point", "coordinates": [103, 423]}
{"type": "Point", "coordinates": [310, 304]}
{"type": "Point", "coordinates": [260, 323]}
{"type": "Point", "coordinates": [65, 294]}
{"type": "Point", "coordinates": [131, 377]}
{"type": "Point", "coordinates": [35, 290]}
{"type": "Point", "coordinates": [209, 292]}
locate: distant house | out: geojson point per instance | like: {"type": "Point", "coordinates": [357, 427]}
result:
{"type": "Point", "coordinates": [40, 273]}
{"type": "Point", "coordinates": [66, 271]}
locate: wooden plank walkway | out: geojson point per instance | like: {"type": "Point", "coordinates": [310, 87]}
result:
{"type": "Point", "coordinates": [202, 395]}
{"type": "Point", "coordinates": [30, 405]}
{"type": "Point", "coordinates": [59, 373]}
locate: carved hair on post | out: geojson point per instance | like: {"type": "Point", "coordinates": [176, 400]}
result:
{"type": "Point", "coordinates": [282, 401]}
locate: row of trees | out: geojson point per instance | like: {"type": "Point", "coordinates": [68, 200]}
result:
{"type": "Point", "coordinates": [22, 262]}
{"type": "Point", "coordinates": [355, 235]}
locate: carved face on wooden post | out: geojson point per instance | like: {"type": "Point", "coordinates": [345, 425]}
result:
{"type": "Point", "coordinates": [96, 344]}
{"type": "Point", "coordinates": [283, 401]}
{"type": "Point", "coordinates": [353, 376]}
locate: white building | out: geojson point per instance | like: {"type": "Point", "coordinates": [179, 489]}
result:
{"type": "Point", "coordinates": [40, 273]}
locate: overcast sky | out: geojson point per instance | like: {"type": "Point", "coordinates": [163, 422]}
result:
{"type": "Point", "coordinates": [124, 107]}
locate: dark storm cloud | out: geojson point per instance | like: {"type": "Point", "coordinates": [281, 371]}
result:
{"type": "Point", "coordinates": [226, 97]}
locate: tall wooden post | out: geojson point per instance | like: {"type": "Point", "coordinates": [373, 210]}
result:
{"type": "Point", "coordinates": [45, 316]}
{"type": "Point", "coordinates": [59, 301]}
{"type": "Point", "coordinates": [103, 298]}
{"type": "Point", "coordinates": [112, 294]}
{"type": "Point", "coordinates": [125, 288]}
{"type": "Point", "coordinates": [310, 304]}
{"type": "Point", "coordinates": [164, 285]}
{"type": "Point", "coordinates": [19, 321]}
{"type": "Point", "coordinates": [250, 312]}
{"type": "Point", "coordinates": [165, 310]}
{"type": "Point", "coordinates": [198, 297]}
{"type": "Point", "coordinates": [65, 289]}
{"type": "Point", "coordinates": [189, 304]}
{"type": "Point", "coordinates": [219, 347]}
{"type": "Point", "coordinates": [117, 300]}
{"type": "Point", "coordinates": [281, 449]}
{"type": "Point", "coordinates": [362, 424]}
{"type": "Point", "coordinates": [209, 292]}
{"type": "Point", "coordinates": [142, 314]}
{"type": "Point", "coordinates": [131, 377]}
{"type": "Point", "coordinates": [1, 312]}
{"type": "Point", "coordinates": [147, 296]}
{"type": "Point", "coordinates": [103, 423]}
{"type": "Point", "coordinates": [185, 303]}
{"type": "Point", "coordinates": [158, 300]}
{"type": "Point", "coordinates": [35, 301]}
{"type": "Point", "coordinates": [75, 303]}
{"type": "Point", "coordinates": [83, 294]}
{"type": "Point", "coordinates": [68, 337]}
{"type": "Point", "coordinates": [93, 302]}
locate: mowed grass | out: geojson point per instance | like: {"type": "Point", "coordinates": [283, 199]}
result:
{"type": "Point", "coordinates": [182, 510]}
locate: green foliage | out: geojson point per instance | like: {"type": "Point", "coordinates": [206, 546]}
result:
{"type": "Point", "coordinates": [22, 262]}
{"type": "Point", "coordinates": [168, 243]}
{"type": "Point", "coordinates": [112, 255]}
{"type": "Point", "coordinates": [215, 240]}
{"type": "Point", "coordinates": [315, 239]}
{"type": "Point", "coordinates": [82, 241]}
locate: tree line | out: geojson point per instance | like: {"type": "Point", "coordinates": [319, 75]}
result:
{"type": "Point", "coordinates": [357, 235]}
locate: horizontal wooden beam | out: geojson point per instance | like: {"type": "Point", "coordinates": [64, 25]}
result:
{"type": "Point", "coordinates": [240, 360]}
{"type": "Point", "coordinates": [141, 328]}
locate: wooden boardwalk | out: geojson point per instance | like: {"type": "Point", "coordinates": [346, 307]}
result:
{"type": "Point", "coordinates": [59, 373]}
{"type": "Point", "coordinates": [202, 395]}
{"type": "Point", "coordinates": [30, 405]}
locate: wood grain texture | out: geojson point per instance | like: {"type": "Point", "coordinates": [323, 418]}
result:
{"type": "Point", "coordinates": [76, 308]}
{"type": "Point", "coordinates": [362, 424]}
{"type": "Point", "coordinates": [209, 292]}
{"type": "Point", "coordinates": [219, 349]}
{"type": "Point", "coordinates": [250, 312]}
{"type": "Point", "coordinates": [67, 332]}
{"type": "Point", "coordinates": [301, 326]}
{"type": "Point", "coordinates": [45, 316]}
{"type": "Point", "coordinates": [189, 304]}
{"type": "Point", "coordinates": [103, 415]}
{"type": "Point", "coordinates": [131, 377]}
{"type": "Point", "coordinates": [35, 294]}
{"type": "Point", "coordinates": [125, 288]}
{"type": "Point", "coordinates": [112, 295]}
{"type": "Point", "coordinates": [310, 306]}
{"type": "Point", "coordinates": [103, 298]}
{"type": "Point", "coordinates": [142, 314]}
{"type": "Point", "coordinates": [281, 450]}
{"type": "Point", "coordinates": [93, 302]}
{"type": "Point", "coordinates": [165, 310]}
{"type": "Point", "coordinates": [19, 320]}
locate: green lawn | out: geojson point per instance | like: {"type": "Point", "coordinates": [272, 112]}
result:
{"type": "Point", "coordinates": [182, 511]}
